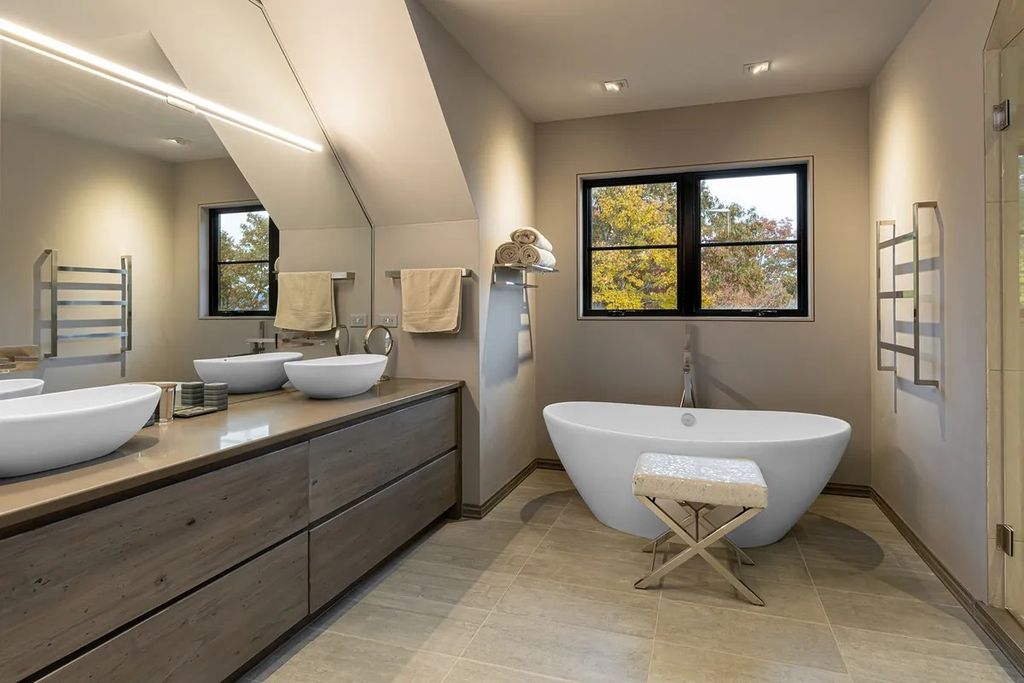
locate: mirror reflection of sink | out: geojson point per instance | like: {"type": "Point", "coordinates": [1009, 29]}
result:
{"type": "Point", "coordinates": [247, 374]}
{"type": "Point", "coordinates": [336, 377]}
{"type": "Point", "coordinates": [16, 388]}
{"type": "Point", "coordinates": [53, 430]}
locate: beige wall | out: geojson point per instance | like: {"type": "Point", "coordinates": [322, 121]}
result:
{"type": "Point", "coordinates": [437, 356]}
{"type": "Point", "coordinates": [495, 144]}
{"type": "Point", "coordinates": [821, 366]}
{"type": "Point", "coordinates": [926, 143]}
{"type": "Point", "coordinates": [93, 203]}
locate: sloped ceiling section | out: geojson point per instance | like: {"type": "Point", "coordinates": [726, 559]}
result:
{"type": "Point", "coordinates": [361, 64]}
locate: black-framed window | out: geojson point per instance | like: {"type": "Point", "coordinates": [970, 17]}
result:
{"type": "Point", "coordinates": [729, 242]}
{"type": "Point", "coordinates": [243, 247]}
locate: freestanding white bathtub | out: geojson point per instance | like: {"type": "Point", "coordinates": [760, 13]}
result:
{"type": "Point", "coordinates": [599, 444]}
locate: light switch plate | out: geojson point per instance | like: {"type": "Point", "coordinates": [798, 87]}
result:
{"type": "Point", "coordinates": [389, 319]}
{"type": "Point", "coordinates": [357, 320]}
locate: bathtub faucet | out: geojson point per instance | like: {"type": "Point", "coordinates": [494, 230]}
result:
{"type": "Point", "coordinates": [689, 398]}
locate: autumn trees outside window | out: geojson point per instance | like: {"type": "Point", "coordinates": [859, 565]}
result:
{"type": "Point", "coordinates": [706, 243]}
{"type": "Point", "coordinates": [243, 248]}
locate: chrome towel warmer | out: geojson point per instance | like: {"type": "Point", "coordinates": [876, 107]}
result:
{"type": "Point", "coordinates": [124, 302]}
{"type": "Point", "coordinates": [896, 294]}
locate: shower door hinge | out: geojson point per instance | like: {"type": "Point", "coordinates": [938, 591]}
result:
{"type": "Point", "coordinates": [1004, 538]}
{"type": "Point", "coordinates": [1001, 116]}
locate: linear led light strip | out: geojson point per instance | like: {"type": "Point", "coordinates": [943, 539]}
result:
{"type": "Point", "coordinates": [112, 71]}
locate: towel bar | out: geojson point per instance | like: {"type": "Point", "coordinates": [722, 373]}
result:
{"type": "Point", "coordinates": [340, 275]}
{"type": "Point", "coordinates": [397, 274]}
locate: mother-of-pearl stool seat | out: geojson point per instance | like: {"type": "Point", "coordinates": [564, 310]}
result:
{"type": "Point", "coordinates": [682, 489]}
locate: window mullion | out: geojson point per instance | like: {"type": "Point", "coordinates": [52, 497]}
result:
{"type": "Point", "coordinates": [689, 265]}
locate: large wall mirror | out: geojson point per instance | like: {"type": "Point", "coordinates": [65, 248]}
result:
{"type": "Point", "coordinates": [207, 202]}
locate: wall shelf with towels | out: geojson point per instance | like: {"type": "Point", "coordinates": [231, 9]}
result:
{"type": "Point", "coordinates": [895, 295]}
{"type": "Point", "coordinates": [123, 287]}
{"type": "Point", "coordinates": [522, 269]}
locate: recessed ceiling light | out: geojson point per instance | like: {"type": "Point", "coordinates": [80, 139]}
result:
{"type": "Point", "coordinates": [755, 68]}
{"type": "Point", "coordinates": [616, 86]}
{"type": "Point", "coordinates": [180, 141]}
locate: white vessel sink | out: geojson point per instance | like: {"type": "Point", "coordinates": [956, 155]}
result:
{"type": "Point", "coordinates": [247, 374]}
{"type": "Point", "coordinates": [53, 430]}
{"type": "Point", "coordinates": [336, 377]}
{"type": "Point", "coordinates": [16, 388]}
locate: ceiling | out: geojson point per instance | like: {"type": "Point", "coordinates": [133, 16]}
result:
{"type": "Point", "coordinates": [551, 56]}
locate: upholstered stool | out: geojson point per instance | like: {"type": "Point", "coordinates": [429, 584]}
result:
{"type": "Point", "coordinates": [681, 489]}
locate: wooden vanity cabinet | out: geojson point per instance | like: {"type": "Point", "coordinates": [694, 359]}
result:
{"type": "Point", "coordinates": [192, 580]}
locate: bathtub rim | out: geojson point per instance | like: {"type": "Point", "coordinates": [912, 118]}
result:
{"type": "Point", "coordinates": [847, 427]}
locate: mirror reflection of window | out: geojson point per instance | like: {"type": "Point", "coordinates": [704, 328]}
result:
{"type": "Point", "coordinates": [243, 248]}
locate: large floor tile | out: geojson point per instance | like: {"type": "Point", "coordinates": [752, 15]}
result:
{"type": "Point", "coordinates": [611, 573]}
{"type": "Point", "coordinates": [529, 505]}
{"type": "Point", "coordinates": [911, 618]}
{"type": "Point", "coordinates": [481, 592]}
{"type": "Point", "coordinates": [466, 563]}
{"type": "Point", "coordinates": [556, 649]}
{"type": "Point", "coordinates": [490, 534]}
{"type": "Point", "coordinates": [897, 659]}
{"type": "Point", "coordinates": [605, 543]}
{"type": "Point", "coordinates": [320, 656]}
{"type": "Point", "coordinates": [469, 671]}
{"type": "Point", "coordinates": [678, 664]}
{"type": "Point", "coordinates": [893, 583]}
{"type": "Point", "coordinates": [413, 623]}
{"type": "Point", "coordinates": [865, 554]}
{"type": "Point", "coordinates": [793, 600]}
{"type": "Point", "coordinates": [611, 610]}
{"type": "Point", "coordinates": [776, 639]}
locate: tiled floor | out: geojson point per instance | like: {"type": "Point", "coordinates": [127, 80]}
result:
{"type": "Point", "coordinates": [541, 591]}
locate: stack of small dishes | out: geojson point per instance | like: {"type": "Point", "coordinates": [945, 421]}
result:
{"type": "Point", "coordinates": [192, 394]}
{"type": "Point", "coordinates": [216, 395]}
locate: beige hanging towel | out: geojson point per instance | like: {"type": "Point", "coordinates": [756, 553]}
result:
{"type": "Point", "coordinates": [305, 302]}
{"type": "Point", "coordinates": [431, 299]}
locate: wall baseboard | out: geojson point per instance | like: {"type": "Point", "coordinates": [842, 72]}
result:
{"type": "Point", "coordinates": [549, 464]}
{"type": "Point", "coordinates": [480, 511]}
{"type": "Point", "coordinates": [851, 490]}
{"type": "Point", "coordinates": [998, 625]}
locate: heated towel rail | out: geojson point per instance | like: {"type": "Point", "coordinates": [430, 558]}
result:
{"type": "Point", "coordinates": [898, 294]}
{"type": "Point", "coordinates": [123, 287]}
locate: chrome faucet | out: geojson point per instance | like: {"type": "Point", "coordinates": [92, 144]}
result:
{"type": "Point", "coordinates": [259, 344]}
{"type": "Point", "coordinates": [689, 397]}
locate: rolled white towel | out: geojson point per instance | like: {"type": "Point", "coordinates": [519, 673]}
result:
{"type": "Point", "coordinates": [508, 252]}
{"type": "Point", "coordinates": [528, 235]}
{"type": "Point", "coordinates": [532, 256]}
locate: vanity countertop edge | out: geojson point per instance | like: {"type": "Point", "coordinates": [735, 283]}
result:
{"type": "Point", "coordinates": [165, 453]}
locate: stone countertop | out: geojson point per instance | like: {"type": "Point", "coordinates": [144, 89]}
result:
{"type": "Point", "coordinates": [170, 451]}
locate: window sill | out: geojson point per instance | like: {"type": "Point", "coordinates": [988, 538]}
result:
{"type": "Point", "coordinates": [697, 318]}
{"type": "Point", "coordinates": [237, 317]}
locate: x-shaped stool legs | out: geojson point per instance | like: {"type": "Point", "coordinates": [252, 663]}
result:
{"type": "Point", "coordinates": [700, 513]}
{"type": "Point", "coordinates": [669, 511]}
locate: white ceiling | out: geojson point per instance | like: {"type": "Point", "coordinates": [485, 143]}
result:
{"type": "Point", "coordinates": [551, 55]}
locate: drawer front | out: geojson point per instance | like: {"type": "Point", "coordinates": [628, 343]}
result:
{"type": "Point", "coordinates": [209, 634]}
{"type": "Point", "coordinates": [69, 583]}
{"type": "Point", "coordinates": [345, 547]}
{"type": "Point", "coordinates": [354, 461]}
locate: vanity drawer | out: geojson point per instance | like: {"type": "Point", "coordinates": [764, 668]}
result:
{"type": "Point", "coordinates": [354, 461]}
{"type": "Point", "coordinates": [345, 547]}
{"type": "Point", "coordinates": [71, 582]}
{"type": "Point", "coordinates": [207, 635]}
